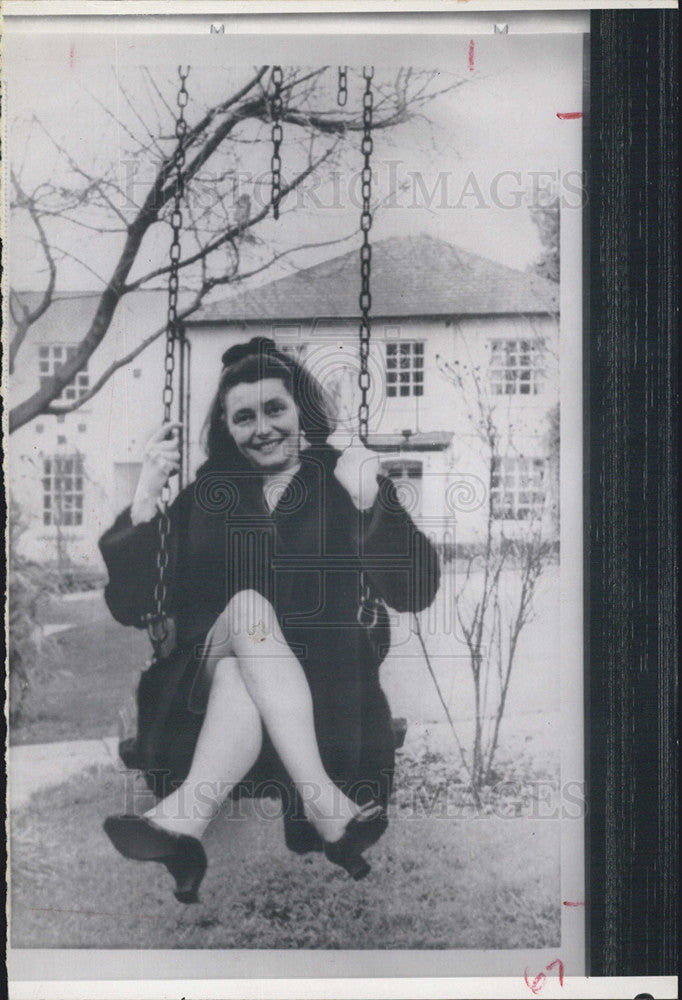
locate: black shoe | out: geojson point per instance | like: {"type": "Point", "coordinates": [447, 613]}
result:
{"type": "Point", "coordinates": [361, 832]}
{"type": "Point", "coordinates": [141, 839]}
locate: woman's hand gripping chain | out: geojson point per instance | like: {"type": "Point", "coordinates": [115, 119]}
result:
{"type": "Point", "coordinates": [161, 461]}
{"type": "Point", "coordinates": [357, 467]}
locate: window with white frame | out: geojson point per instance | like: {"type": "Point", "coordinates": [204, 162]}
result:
{"type": "Point", "coordinates": [407, 473]}
{"type": "Point", "coordinates": [518, 487]}
{"type": "Point", "coordinates": [51, 357]}
{"type": "Point", "coordinates": [405, 368]}
{"type": "Point", "coordinates": [63, 490]}
{"type": "Point", "coordinates": [516, 367]}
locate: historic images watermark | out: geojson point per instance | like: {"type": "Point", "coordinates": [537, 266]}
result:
{"type": "Point", "coordinates": [397, 187]}
{"type": "Point", "coordinates": [450, 799]}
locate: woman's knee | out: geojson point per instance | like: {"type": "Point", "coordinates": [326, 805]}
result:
{"type": "Point", "coordinates": [249, 615]}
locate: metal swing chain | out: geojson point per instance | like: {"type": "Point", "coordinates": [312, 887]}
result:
{"type": "Point", "coordinates": [157, 623]}
{"type": "Point", "coordinates": [365, 254]}
{"type": "Point", "coordinates": [342, 92]}
{"type": "Point", "coordinates": [368, 614]}
{"type": "Point", "coordinates": [277, 136]}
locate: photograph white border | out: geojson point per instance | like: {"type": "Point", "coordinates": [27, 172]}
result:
{"type": "Point", "coordinates": [29, 962]}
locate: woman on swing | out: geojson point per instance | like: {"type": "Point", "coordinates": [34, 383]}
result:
{"type": "Point", "coordinates": [274, 681]}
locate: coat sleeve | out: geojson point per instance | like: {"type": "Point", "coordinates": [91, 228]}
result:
{"type": "Point", "coordinates": [130, 552]}
{"type": "Point", "coordinates": [399, 559]}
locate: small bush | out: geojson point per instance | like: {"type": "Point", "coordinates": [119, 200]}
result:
{"type": "Point", "coordinates": [29, 585]}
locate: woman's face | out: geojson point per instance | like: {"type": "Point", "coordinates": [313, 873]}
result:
{"type": "Point", "coordinates": [263, 420]}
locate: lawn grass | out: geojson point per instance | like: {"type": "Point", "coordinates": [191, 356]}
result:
{"type": "Point", "coordinates": [436, 883]}
{"type": "Point", "coordinates": [78, 691]}
{"type": "Point", "coordinates": [463, 881]}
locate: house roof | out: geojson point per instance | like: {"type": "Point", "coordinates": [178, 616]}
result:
{"type": "Point", "coordinates": [411, 276]}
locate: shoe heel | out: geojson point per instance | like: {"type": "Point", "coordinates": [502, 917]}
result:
{"type": "Point", "coordinates": [344, 854]}
{"type": "Point", "coordinates": [357, 867]}
{"type": "Point", "coordinates": [140, 839]}
{"type": "Point", "coordinates": [188, 869]}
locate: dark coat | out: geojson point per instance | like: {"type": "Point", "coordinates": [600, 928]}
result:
{"type": "Point", "coordinates": [306, 558]}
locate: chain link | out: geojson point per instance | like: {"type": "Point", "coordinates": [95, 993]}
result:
{"type": "Point", "coordinates": [342, 92]}
{"type": "Point", "coordinates": [277, 135]}
{"type": "Point", "coordinates": [158, 622]}
{"type": "Point", "coordinates": [365, 254]}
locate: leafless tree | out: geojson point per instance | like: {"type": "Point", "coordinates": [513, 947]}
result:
{"type": "Point", "coordinates": [221, 242]}
{"type": "Point", "coordinates": [498, 575]}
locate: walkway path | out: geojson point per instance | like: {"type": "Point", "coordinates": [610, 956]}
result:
{"type": "Point", "coordinates": [39, 765]}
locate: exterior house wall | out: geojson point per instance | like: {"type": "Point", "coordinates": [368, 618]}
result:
{"type": "Point", "coordinates": [110, 431]}
{"type": "Point", "coordinates": [442, 503]}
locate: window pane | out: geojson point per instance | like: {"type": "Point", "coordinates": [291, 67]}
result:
{"type": "Point", "coordinates": [404, 390]}
{"type": "Point", "coordinates": [419, 390]}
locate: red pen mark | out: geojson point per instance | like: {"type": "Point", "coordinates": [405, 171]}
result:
{"type": "Point", "coordinates": [471, 56]}
{"type": "Point", "coordinates": [567, 116]}
{"type": "Point", "coordinates": [71, 53]}
{"type": "Point", "coordinates": [566, 903]}
{"type": "Point", "coordinates": [541, 977]}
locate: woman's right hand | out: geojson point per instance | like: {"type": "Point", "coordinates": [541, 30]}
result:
{"type": "Point", "coordinates": [161, 461]}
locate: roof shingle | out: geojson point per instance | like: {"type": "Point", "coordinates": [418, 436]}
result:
{"type": "Point", "coordinates": [411, 276]}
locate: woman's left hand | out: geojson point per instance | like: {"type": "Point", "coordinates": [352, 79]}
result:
{"type": "Point", "coordinates": [356, 469]}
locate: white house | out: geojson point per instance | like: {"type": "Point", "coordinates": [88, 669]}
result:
{"type": "Point", "coordinates": [435, 310]}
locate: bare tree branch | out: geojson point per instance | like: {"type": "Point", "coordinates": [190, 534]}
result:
{"type": "Point", "coordinates": [203, 139]}
{"type": "Point", "coordinates": [30, 316]}
{"type": "Point", "coordinates": [207, 285]}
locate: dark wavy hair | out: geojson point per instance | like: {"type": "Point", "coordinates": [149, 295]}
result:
{"type": "Point", "coordinates": [259, 359]}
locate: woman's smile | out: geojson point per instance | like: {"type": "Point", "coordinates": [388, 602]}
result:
{"type": "Point", "coordinates": [264, 423]}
